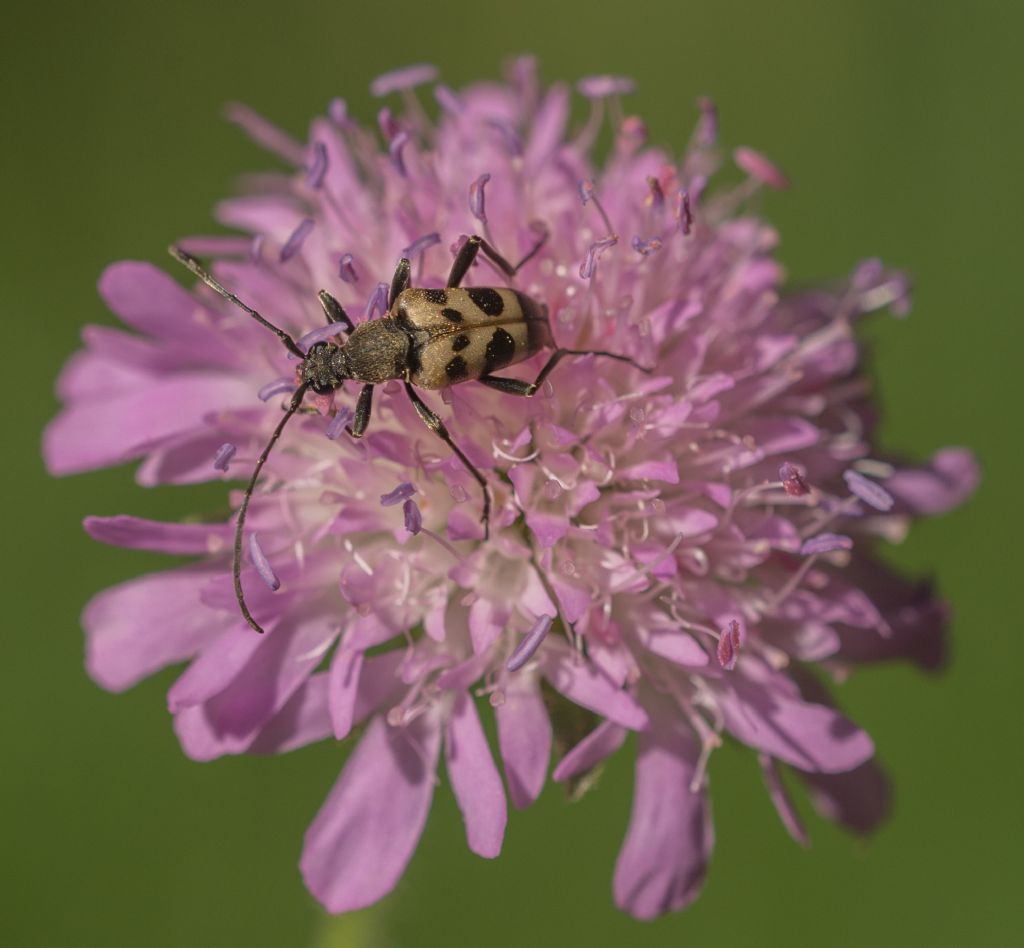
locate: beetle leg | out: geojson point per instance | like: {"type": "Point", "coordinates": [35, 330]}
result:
{"type": "Point", "coordinates": [434, 423]}
{"type": "Point", "coordinates": [400, 281]}
{"type": "Point", "coordinates": [529, 389]}
{"type": "Point", "coordinates": [334, 311]}
{"type": "Point", "coordinates": [474, 244]}
{"type": "Point", "coordinates": [509, 386]}
{"type": "Point", "coordinates": [362, 415]}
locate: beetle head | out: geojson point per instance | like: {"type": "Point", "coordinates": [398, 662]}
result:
{"type": "Point", "coordinates": [324, 368]}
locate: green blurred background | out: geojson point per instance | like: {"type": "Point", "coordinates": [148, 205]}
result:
{"type": "Point", "coordinates": [899, 123]}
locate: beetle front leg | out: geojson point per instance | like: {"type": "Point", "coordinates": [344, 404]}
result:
{"type": "Point", "coordinates": [400, 280]}
{"type": "Point", "coordinates": [434, 423]}
{"type": "Point", "coordinates": [334, 311]}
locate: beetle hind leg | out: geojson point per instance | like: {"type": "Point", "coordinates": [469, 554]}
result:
{"type": "Point", "coordinates": [434, 423]}
{"type": "Point", "coordinates": [529, 389]}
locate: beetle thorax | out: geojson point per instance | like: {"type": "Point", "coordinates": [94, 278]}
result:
{"type": "Point", "coordinates": [377, 351]}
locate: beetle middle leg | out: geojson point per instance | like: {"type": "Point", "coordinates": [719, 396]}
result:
{"type": "Point", "coordinates": [434, 423]}
{"type": "Point", "coordinates": [361, 419]}
{"type": "Point", "coordinates": [529, 389]}
{"type": "Point", "coordinates": [474, 244]}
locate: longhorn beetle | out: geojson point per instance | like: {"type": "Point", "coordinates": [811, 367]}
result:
{"type": "Point", "coordinates": [429, 338]}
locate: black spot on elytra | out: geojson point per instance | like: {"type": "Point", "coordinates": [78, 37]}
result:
{"type": "Point", "coordinates": [460, 342]}
{"type": "Point", "coordinates": [452, 315]}
{"type": "Point", "coordinates": [437, 297]}
{"type": "Point", "coordinates": [500, 351]}
{"type": "Point", "coordinates": [488, 300]}
{"type": "Point", "coordinates": [456, 370]}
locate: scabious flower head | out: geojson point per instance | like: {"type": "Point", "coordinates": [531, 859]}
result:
{"type": "Point", "coordinates": [684, 554]}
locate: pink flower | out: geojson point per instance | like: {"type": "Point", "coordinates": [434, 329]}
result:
{"type": "Point", "coordinates": [670, 553]}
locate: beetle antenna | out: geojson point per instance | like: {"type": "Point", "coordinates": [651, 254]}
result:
{"type": "Point", "coordinates": [236, 564]}
{"type": "Point", "coordinates": [197, 268]}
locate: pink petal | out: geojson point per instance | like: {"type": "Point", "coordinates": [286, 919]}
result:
{"type": "Point", "coordinates": [123, 426]}
{"type": "Point", "coordinates": [757, 166]}
{"type": "Point", "coordinates": [781, 800]}
{"type": "Point", "coordinates": [281, 662]}
{"type": "Point", "coordinates": [599, 744]}
{"type": "Point", "coordinates": [573, 600]}
{"type": "Point", "coordinates": [139, 627]}
{"type": "Point", "coordinates": [664, 857]}
{"type": "Point", "coordinates": [215, 667]}
{"type": "Point", "coordinates": [150, 300]}
{"type": "Point", "coordinates": [858, 799]}
{"type": "Point", "coordinates": [475, 779]}
{"type": "Point", "coordinates": [665, 470]}
{"type": "Point", "coordinates": [179, 539]}
{"type": "Point", "coordinates": [677, 646]}
{"type": "Point", "coordinates": [765, 715]}
{"type": "Point", "coordinates": [524, 739]}
{"type": "Point", "coordinates": [305, 718]}
{"type": "Point", "coordinates": [486, 622]}
{"type": "Point", "coordinates": [343, 685]}
{"type": "Point", "coordinates": [364, 835]}
{"type": "Point", "coordinates": [947, 481]}
{"type": "Point", "coordinates": [580, 682]}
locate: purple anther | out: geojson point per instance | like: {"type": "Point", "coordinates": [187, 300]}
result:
{"type": "Point", "coordinates": [508, 134]}
{"type": "Point", "coordinates": [634, 129]}
{"type": "Point", "coordinates": [395, 149]}
{"type": "Point", "coordinates": [826, 543]}
{"type": "Point", "coordinates": [529, 643]}
{"type": "Point", "coordinates": [868, 274]}
{"type": "Point", "coordinates": [262, 564]}
{"type": "Point", "coordinates": [477, 206]}
{"type": "Point", "coordinates": [223, 457]}
{"type": "Point", "coordinates": [320, 334]}
{"type": "Point", "coordinates": [420, 244]}
{"type": "Point", "coordinates": [598, 87]}
{"type": "Point", "coordinates": [683, 211]}
{"type": "Point", "coordinates": [318, 166]}
{"type": "Point", "coordinates": [347, 270]}
{"type": "Point", "coordinates": [707, 124]}
{"type": "Point", "coordinates": [337, 424]}
{"type": "Point", "coordinates": [597, 248]}
{"type": "Point", "coordinates": [760, 168]}
{"type": "Point", "coordinates": [388, 124]}
{"type": "Point", "coordinates": [586, 189]}
{"type": "Point", "coordinates": [413, 517]}
{"type": "Point", "coordinates": [729, 646]}
{"type": "Point", "coordinates": [337, 109]}
{"type": "Point", "coordinates": [406, 78]}
{"type": "Point", "coordinates": [279, 386]}
{"type": "Point", "coordinates": [377, 304]}
{"type": "Point", "coordinates": [644, 247]}
{"type": "Point", "coordinates": [793, 482]}
{"type": "Point", "coordinates": [294, 243]}
{"type": "Point", "coordinates": [447, 99]}
{"type": "Point", "coordinates": [402, 492]}
{"type": "Point", "coordinates": [874, 495]}
{"type": "Point", "coordinates": [655, 197]}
